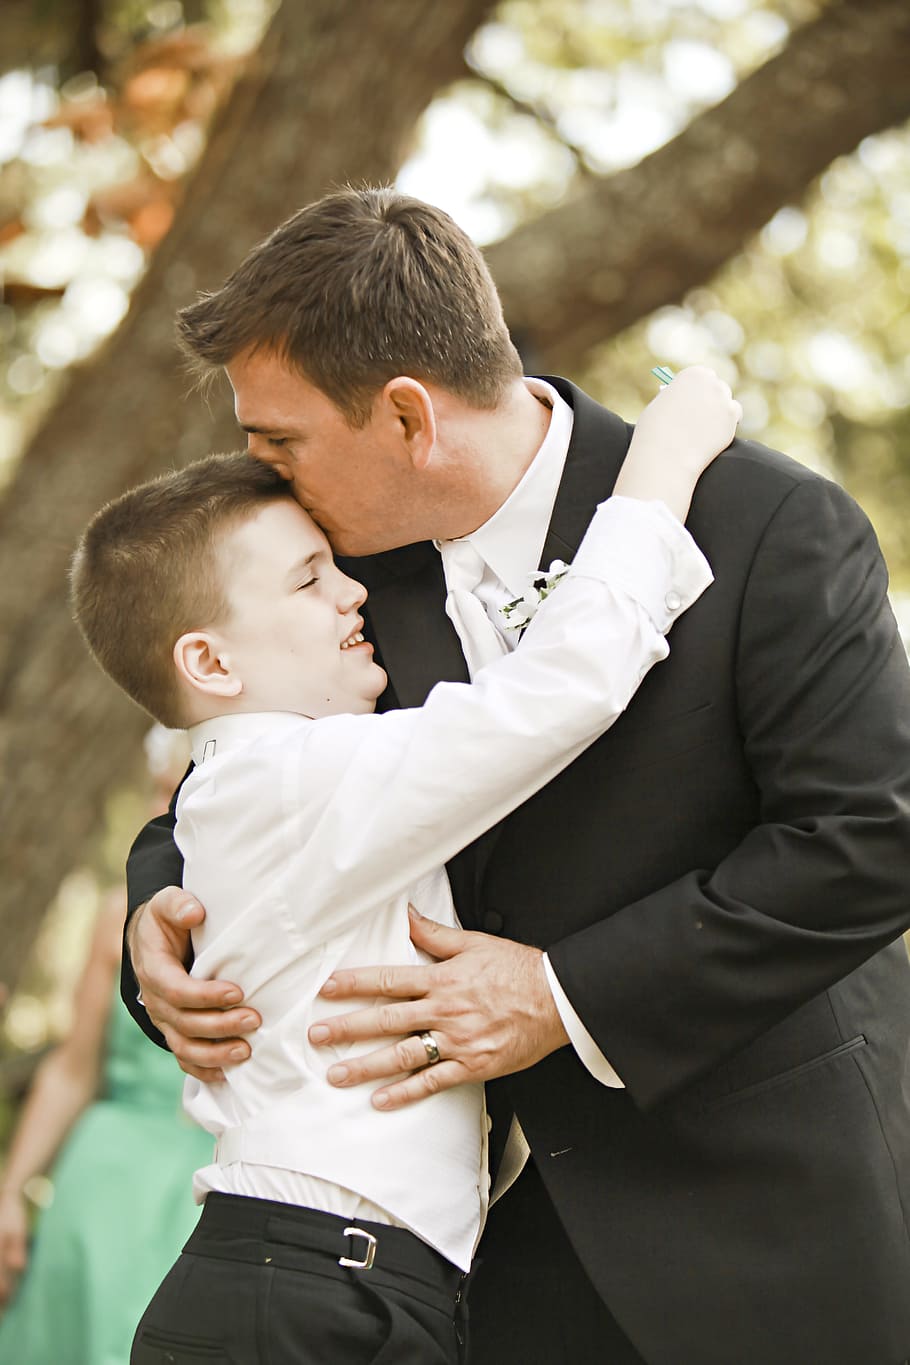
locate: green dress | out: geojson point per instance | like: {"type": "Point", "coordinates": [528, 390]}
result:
{"type": "Point", "coordinates": [122, 1210]}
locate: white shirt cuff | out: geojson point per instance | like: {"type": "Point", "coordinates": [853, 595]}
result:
{"type": "Point", "coordinates": [589, 1054]}
{"type": "Point", "coordinates": [641, 548]}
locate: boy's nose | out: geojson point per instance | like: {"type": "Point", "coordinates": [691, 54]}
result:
{"type": "Point", "coordinates": [353, 594]}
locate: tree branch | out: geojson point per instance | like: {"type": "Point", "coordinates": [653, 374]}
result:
{"type": "Point", "coordinates": [535, 110]}
{"type": "Point", "coordinates": [641, 238]}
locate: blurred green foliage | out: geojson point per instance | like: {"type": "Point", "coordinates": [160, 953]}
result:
{"type": "Point", "coordinates": [810, 324]}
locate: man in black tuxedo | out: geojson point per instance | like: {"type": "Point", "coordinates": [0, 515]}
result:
{"type": "Point", "coordinates": [689, 988]}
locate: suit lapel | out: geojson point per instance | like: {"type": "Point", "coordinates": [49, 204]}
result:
{"type": "Point", "coordinates": [597, 449]}
{"type": "Point", "coordinates": [598, 446]}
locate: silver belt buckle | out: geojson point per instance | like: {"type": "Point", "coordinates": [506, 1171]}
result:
{"type": "Point", "coordinates": [369, 1255]}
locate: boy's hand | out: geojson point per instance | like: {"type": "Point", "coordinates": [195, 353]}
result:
{"type": "Point", "coordinates": [190, 1013]}
{"type": "Point", "coordinates": [684, 427]}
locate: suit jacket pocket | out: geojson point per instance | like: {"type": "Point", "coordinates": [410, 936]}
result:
{"type": "Point", "coordinates": [793, 1073]}
{"type": "Point", "coordinates": [640, 738]}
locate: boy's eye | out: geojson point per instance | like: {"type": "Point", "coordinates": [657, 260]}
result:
{"type": "Point", "coordinates": [308, 584]}
{"type": "Point", "coordinates": [278, 441]}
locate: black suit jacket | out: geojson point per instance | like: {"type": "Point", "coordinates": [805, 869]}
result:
{"type": "Point", "coordinates": [721, 882]}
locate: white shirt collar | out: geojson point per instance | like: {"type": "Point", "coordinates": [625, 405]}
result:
{"type": "Point", "coordinates": [221, 733]}
{"type": "Point", "coordinates": [511, 542]}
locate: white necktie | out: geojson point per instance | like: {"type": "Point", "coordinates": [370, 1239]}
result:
{"type": "Point", "coordinates": [480, 640]}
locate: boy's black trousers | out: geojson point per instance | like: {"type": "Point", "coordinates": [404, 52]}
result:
{"type": "Point", "coordinates": [260, 1281]}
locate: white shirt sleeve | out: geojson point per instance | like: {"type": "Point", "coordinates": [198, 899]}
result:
{"type": "Point", "coordinates": [372, 802]}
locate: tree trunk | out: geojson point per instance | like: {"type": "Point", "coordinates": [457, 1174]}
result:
{"type": "Point", "coordinates": [316, 107]}
{"type": "Point", "coordinates": [639, 239]}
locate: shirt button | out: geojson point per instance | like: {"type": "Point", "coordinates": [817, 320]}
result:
{"type": "Point", "coordinates": [673, 601]}
{"type": "Point", "coordinates": [493, 922]}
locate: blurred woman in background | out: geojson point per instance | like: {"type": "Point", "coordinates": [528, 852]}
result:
{"type": "Point", "coordinates": [107, 1107]}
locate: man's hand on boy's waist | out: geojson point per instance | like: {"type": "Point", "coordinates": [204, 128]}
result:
{"type": "Point", "coordinates": [201, 1020]}
{"type": "Point", "coordinates": [484, 1008]}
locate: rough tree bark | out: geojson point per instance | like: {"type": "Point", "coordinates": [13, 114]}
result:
{"type": "Point", "coordinates": [332, 96]}
{"type": "Point", "coordinates": [639, 239]}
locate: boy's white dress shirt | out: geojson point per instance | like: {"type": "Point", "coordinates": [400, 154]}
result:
{"type": "Point", "coordinates": [306, 840]}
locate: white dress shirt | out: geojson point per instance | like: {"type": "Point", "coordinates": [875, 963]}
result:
{"type": "Point", "coordinates": [305, 840]}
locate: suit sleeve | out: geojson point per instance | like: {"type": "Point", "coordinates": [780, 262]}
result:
{"type": "Point", "coordinates": [154, 862]}
{"type": "Point", "coordinates": [688, 975]}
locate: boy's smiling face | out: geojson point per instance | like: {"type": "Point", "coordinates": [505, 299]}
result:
{"type": "Point", "coordinates": [292, 631]}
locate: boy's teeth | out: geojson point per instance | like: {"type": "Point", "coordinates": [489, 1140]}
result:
{"type": "Point", "coordinates": [352, 640]}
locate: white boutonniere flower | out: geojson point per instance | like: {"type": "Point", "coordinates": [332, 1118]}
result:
{"type": "Point", "coordinates": [521, 610]}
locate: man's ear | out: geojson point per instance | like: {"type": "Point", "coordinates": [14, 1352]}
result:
{"type": "Point", "coordinates": [205, 666]}
{"type": "Point", "coordinates": [407, 403]}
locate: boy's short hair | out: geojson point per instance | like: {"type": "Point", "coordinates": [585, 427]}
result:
{"type": "Point", "coordinates": [146, 571]}
{"type": "Point", "coordinates": [355, 289]}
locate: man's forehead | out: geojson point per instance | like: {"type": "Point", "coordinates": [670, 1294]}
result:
{"type": "Point", "coordinates": [267, 413]}
{"type": "Point", "coordinates": [268, 394]}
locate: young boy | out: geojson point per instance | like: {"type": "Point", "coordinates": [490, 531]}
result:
{"type": "Point", "coordinates": [213, 599]}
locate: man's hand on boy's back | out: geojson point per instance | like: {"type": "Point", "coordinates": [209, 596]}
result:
{"type": "Point", "coordinates": [201, 1020]}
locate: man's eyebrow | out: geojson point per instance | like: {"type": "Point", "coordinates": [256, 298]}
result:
{"type": "Point", "coordinates": [252, 430]}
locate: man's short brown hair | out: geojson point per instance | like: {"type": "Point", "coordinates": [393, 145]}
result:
{"type": "Point", "coordinates": [355, 289]}
{"type": "Point", "coordinates": [146, 571]}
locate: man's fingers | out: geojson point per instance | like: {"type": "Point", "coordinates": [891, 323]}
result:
{"type": "Point", "coordinates": [400, 983]}
{"type": "Point", "coordinates": [168, 991]}
{"type": "Point", "coordinates": [167, 918]}
{"type": "Point", "coordinates": [209, 1075]}
{"type": "Point", "coordinates": [439, 940]}
{"type": "Point", "coordinates": [362, 1025]}
{"type": "Point", "coordinates": [217, 1026]}
{"type": "Point", "coordinates": [204, 1054]}
{"type": "Point", "coordinates": [430, 1081]}
{"type": "Point", "coordinates": [174, 906]}
{"type": "Point", "coordinates": [408, 1054]}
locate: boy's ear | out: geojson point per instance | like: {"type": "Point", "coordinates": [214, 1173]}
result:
{"type": "Point", "coordinates": [205, 666]}
{"type": "Point", "coordinates": [407, 403]}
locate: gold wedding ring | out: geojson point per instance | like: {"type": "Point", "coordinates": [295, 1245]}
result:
{"type": "Point", "coordinates": [432, 1050]}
